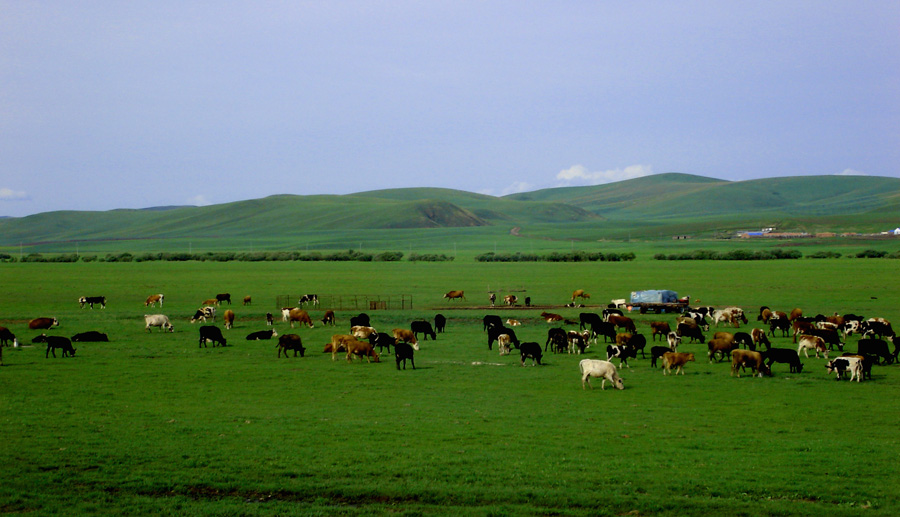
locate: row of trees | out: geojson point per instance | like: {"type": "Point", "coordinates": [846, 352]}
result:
{"type": "Point", "coordinates": [768, 255]}
{"type": "Point", "coordinates": [572, 256]}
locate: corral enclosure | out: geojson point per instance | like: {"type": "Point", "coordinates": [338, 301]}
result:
{"type": "Point", "coordinates": [151, 423]}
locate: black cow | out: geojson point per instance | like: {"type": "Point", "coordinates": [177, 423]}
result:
{"type": "Point", "coordinates": [744, 340]}
{"type": "Point", "coordinates": [779, 323]}
{"type": "Point", "coordinates": [91, 335]}
{"type": "Point", "coordinates": [402, 352]}
{"type": "Point", "coordinates": [440, 323]}
{"type": "Point", "coordinates": [531, 350]}
{"type": "Point", "coordinates": [63, 343]}
{"type": "Point", "coordinates": [6, 336]}
{"type": "Point", "coordinates": [691, 331]}
{"type": "Point", "coordinates": [622, 353]}
{"type": "Point", "coordinates": [638, 342]}
{"type": "Point", "coordinates": [559, 338]}
{"type": "Point", "coordinates": [489, 321]}
{"type": "Point", "coordinates": [605, 329]}
{"type": "Point", "coordinates": [290, 342]}
{"type": "Point", "coordinates": [830, 336]}
{"type": "Point", "coordinates": [588, 319]}
{"type": "Point", "coordinates": [495, 331]}
{"type": "Point", "coordinates": [360, 321]}
{"type": "Point", "coordinates": [423, 327]}
{"type": "Point", "coordinates": [382, 340]}
{"type": "Point", "coordinates": [783, 355]}
{"type": "Point", "coordinates": [262, 334]}
{"type": "Point", "coordinates": [92, 300]}
{"type": "Point", "coordinates": [528, 303]}
{"type": "Point", "coordinates": [211, 333]}
{"type": "Point", "coordinates": [656, 352]}
{"type": "Point", "coordinates": [875, 347]}
{"type": "Point", "coordinates": [224, 297]}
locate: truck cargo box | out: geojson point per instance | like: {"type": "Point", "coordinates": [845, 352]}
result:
{"type": "Point", "coordinates": [654, 296]}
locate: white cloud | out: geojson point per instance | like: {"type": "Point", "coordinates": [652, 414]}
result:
{"type": "Point", "coordinates": [851, 172]}
{"type": "Point", "coordinates": [199, 200]}
{"type": "Point", "coordinates": [580, 174]}
{"type": "Point", "coordinates": [516, 187]}
{"type": "Point", "coordinates": [8, 194]}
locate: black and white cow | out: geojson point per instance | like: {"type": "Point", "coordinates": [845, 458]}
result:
{"type": "Point", "coordinates": [203, 314]}
{"type": "Point", "coordinates": [622, 352]}
{"type": "Point", "coordinates": [91, 300]}
{"type": "Point", "coordinates": [309, 298]}
{"type": "Point", "coordinates": [262, 334]}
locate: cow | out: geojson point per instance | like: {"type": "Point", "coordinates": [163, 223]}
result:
{"type": "Point", "coordinates": [693, 318]}
{"type": "Point", "coordinates": [490, 320]}
{"type": "Point", "coordinates": [558, 338]}
{"type": "Point", "coordinates": [211, 333]}
{"type": "Point", "coordinates": [622, 352]}
{"type": "Point", "coordinates": [90, 336]}
{"type": "Point", "coordinates": [382, 341]}
{"type": "Point", "coordinates": [510, 299]}
{"type": "Point", "coordinates": [308, 298]}
{"type": "Point", "coordinates": [210, 301]}
{"type": "Point", "coordinates": [673, 339]}
{"type": "Point", "coordinates": [876, 327]}
{"type": "Point", "coordinates": [784, 355]}
{"type": "Point", "coordinates": [622, 322]}
{"type": "Point", "coordinates": [513, 322]}
{"type": "Point", "coordinates": [782, 324]}
{"type": "Point", "coordinates": [361, 320]}
{"type": "Point", "coordinates": [527, 301]}
{"type": "Point", "coordinates": [290, 342]}
{"type": "Point", "coordinates": [744, 340]}
{"type": "Point", "coordinates": [503, 344]}
{"type": "Point", "coordinates": [578, 341]}
{"type": "Point", "coordinates": [62, 343]}
{"type": "Point", "coordinates": [764, 314]}
{"type": "Point", "coordinates": [229, 318]}
{"type": "Point", "coordinates": [153, 299]}
{"type": "Point", "coordinates": [91, 300]}
{"type": "Point", "coordinates": [270, 321]}
{"type": "Point", "coordinates": [455, 295]}
{"type": "Point", "coordinates": [550, 317]}
{"type": "Point", "coordinates": [43, 323]}
{"type": "Point", "coordinates": [726, 316]}
{"type": "Point", "coordinates": [759, 338]}
{"type": "Point", "coordinates": [675, 360]}
{"type": "Point", "coordinates": [579, 293]}
{"type": "Point", "coordinates": [362, 349]}
{"type": "Point", "coordinates": [802, 326]}
{"type": "Point", "coordinates": [795, 313]}
{"type": "Point", "coordinates": [721, 346]}
{"type": "Point", "coordinates": [690, 331]}
{"type": "Point", "coordinates": [530, 350]}
{"type": "Point", "coordinates": [203, 314]}
{"type": "Point", "coordinates": [223, 297]}
{"type": "Point", "coordinates": [360, 332]}
{"type": "Point", "coordinates": [656, 352]}
{"type": "Point", "coordinates": [301, 317]}
{"type": "Point", "coordinates": [611, 311]}
{"type": "Point", "coordinates": [495, 331]}
{"type": "Point", "coordinates": [262, 334]}
{"type": "Point", "coordinates": [493, 299]}
{"type": "Point", "coordinates": [875, 347]}
{"type": "Point", "coordinates": [6, 336]}
{"type": "Point", "coordinates": [423, 327]}
{"type": "Point", "coordinates": [831, 337]}
{"type": "Point", "coordinates": [440, 323]}
{"type": "Point", "coordinates": [158, 320]}
{"type": "Point", "coordinates": [338, 343]}
{"type": "Point", "coordinates": [328, 318]}
{"type": "Point", "coordinates": [402, 352]}
{"type": "Point", "coordinates": [839, 365]}
{"type": "Point", "coordinates": [406, 336]}
{"type": "Point", "coordinates": [849, 327]}
{"type": "Point", "coordinates": [248, 300]}
{"type": "Point", "coordinates": [286, 313]}
{"type": "Point", "coordinates": [741, 358]}
{"type": "Point", "coordinates": [867, 362]}
{"type": "Point", "coordinates": [816, 343]}
{"type": "Point", "coordinates": [638, 342]}
{"type": "Point", "coordinates": [598, 368]}
{"type": "Point", "coordinates": [659, 327]}
{"type": "Point", "coordinates": [588, 319]}
{"type": "Point", "coordinates": [605, 329]}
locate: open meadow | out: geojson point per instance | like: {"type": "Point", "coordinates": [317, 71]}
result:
{"type": "Point", "coordinates": [151, 423]}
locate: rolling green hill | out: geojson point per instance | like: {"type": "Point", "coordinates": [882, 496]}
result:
{"type": "Point", "coordinates": [651, 207]}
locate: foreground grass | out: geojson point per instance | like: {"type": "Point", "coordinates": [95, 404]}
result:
{"type": "Point", "coordinates": [150, 423]}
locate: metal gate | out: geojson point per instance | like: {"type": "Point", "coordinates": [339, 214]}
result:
{"type": "Point", "coordinates": [343, 302]}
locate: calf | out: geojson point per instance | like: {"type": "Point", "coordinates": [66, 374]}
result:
{"type": "Point", "coordinates": [659, 327]}
{"type": "Point", "coordinates": [153, 299]}
{"type": "Point", "coordinates": [270, 321]}
{"type": "Point", "coordinates": [423, 327]}
{"type": "Point", "coordinates": [402, 352]}
{"type": "Point", "coordinates": [558, 338]}
{"type": "Point", "coordinates": [6, 336]}
{"type": "Point", "coordinates": [530, 350]}
{"type": "Point", "coordinates": [812, 342]}
{"type": "Point", "coordinates": [741, 358]}
{"type": "Point", "coordinates": [759, 338]}
{"type": "Point", "coordinates": [290, 342]}
{"type": "Point", "coordinates": [784, 355]}
{"type": "Point", "coordinates": [440, 323]}
{"type": "Point", "coordinates": [328, 318]}
{"type": "Point", "coordinates": [248, 300]}
{"type": "Point", "coordinates": [494, 332]}
{"type": "Point", "coordinates": [603, 369]}
{"type": "Point", "coordinates": [503, 344]}
{"type": "Point", "coordinates": [63, 343]}
{"type": "Point", "coordinates": [492, 298]}
{"type": "Point", "coordinates": [229, 319]}
{"type": "Point", "coordinates": [675, 360]}
{"type": "Point", "coordinates": [301, 317]}
{"type": "Point", "coordinates": [43, 323]}
{"type": "Point", "coordinates": [90, 336]}
{"type": "Point", "coordinates": [550, 317]}
{"type": "Point", "coordinates": [262, 334]}
{"type": "Point", "coordinates": [622, 353]}
{"type": "Point", "coordinates": [211, 333]}
{"type": "Point", "coordinates": [158, 320]}
{"type": "Point", "coordinates": [91, 300]}
{"type": "Point", "coordinates": [513, 322]}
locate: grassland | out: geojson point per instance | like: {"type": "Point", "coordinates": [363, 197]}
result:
{"type": "Point", "coordinates": [150, 423]}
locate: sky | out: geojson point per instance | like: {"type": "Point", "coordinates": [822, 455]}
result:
{"type": "Point", "coordinates": [107, 105]}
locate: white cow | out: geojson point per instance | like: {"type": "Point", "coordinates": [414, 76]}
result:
{"type": "Point", "coordinates": [597, 368]}
{"type": "Point", "coordinates": [286, 313]}
{"type": "Point", "coordinates": [812, 342]}
{"type": "Point", "coordinates": [674, 340]}
{"type": "Point", "coordinates": [853, 365]}
{"type": "Point", "coordinates": [158, 320]}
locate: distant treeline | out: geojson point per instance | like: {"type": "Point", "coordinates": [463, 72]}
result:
{"type": "Point", "coordinates": [572, 256]}
{"type": "Point", "coordinates": [767, 255]}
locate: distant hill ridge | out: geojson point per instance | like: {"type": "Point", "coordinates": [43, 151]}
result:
{"type": "Point", "coordinates": [654, 205]}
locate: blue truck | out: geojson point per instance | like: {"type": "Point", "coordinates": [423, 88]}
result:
{"type": "Point", "coordinates": [658, 300]}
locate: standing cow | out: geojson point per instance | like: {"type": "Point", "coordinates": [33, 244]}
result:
{"type": "Point", "coordinates": [455, 295]}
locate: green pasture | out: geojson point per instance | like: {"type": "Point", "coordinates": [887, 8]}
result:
{"type": "Point", "coordinates": [150, 423]}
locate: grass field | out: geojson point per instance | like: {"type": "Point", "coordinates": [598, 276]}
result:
{"type": "Point", "coordinates": [150, 423]}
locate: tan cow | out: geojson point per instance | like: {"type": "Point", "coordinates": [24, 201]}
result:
{"type": "Point", "coordinates": [579, 293]}
{"type": "Point", "coordinates": [361, 349]}
{"type": "Point", "coordinates": [676, 360]}
{"type": "Point", "coordinates": [406, 336]}
{"type": "Point", "coordinates": [248, 300]}
{"type": "Point", "coordinates": [338, 343]}
{"type": "Point", "coordinates": [300, 316]}
{"type": "Point", "coordinates": [453, 295]}
{"type": "Point", "coordinates": [510, 299]}
{"type": "Point", "coordinates": [229, 319]}
{"type": "Point", "coordinates": [153, 299]}
{"type": "Point", "coordinates": [741, 358]}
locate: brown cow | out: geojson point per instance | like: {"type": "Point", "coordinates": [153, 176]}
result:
{"type": "Point", "coordinates": [796, 313]}
{"type": "Point", "coordinates": [800, 327]}
{"type": "Point", "coordinates": [362, 349]}
{"type": "Point", "coordinates": [725, 346]}
{"type": "Point", "coordinates": [328, 318]}
{"type": "Point", "coordinates": [43, 323]}
{"type": "Point", "coordinates": [676, 360]}
{"type": "Point", "coordinates": [406, 336]}
{"type": "Point", "coordinates": [453, 295]}
{"type": "Point", "coordinates": [622, 322]}
{"type": "Point", "coordinates": [248, 300]}
{"type": "Point", "coordinates": [660, 327]}
{"type": "Point", "coordinates": [229, 319]}
{"type": "Point", "coordinates": [153, 299]}
{"type": "Point", "coordinates": [290, 342]}
{"type": "Point", "coordinates": [579, 293]}
{"type": "Point", "coordinates": [210, 301]}
{"type": "Point", "coordinates": [301, 316]}
{"type": "Point", "coordinates": [338, 343]}
{"type": "Point", "coordinates": [759, 338]}
{"type": "Point", "coordinates": [551, 317]}
{"type": "Point", "coordinates": [510, 299]}
{"type": "Point", "coordinates": [741, 358]}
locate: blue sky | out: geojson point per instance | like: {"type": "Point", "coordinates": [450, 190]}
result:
{"type": "Point", "coordinates": [109, 105]}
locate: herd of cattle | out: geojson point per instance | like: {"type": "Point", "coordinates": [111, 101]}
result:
{"type": "Point", "coordinates": [820, 334]}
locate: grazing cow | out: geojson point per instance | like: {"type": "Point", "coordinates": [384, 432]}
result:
{"type": "Point", "coordinates": [153, 299]}
{"type": "Point", "coordinates": [782, 324]}
{"type": "Point", "coordinates": [673, 339]}
{"type": "Point", "coordinates": [638, 342]}
{"type": "Point", "coordinates": [495, 331]}
{"type": "Point", "coordinates": [513, 323]}
{"type": "Point", "coordinates": [62, 343]}
{"type": "Point", "coordinates": [784, 355]}
{"type": "Point", "coordinates": [210, 301]}
{"type": "Point", "coordinates": [795, 313]}
{"type": "Point", "coordinates": [659, 327]}
{"type": "Point", "coordinates": [675, 360]}
{"type": "Point", "coordinates": [440, 323]}
{"type": "Point", "coordinates": [693, 318]}
{"type": "Point", "coordinates": [360, 332]}
{"type": "Point", "coordinates": [301, 317]}
{"type": "Point", "coordinates": [622, 322]}
{"type": "Point", "coordinates": [406, 336]}
{"type": "Point", "coordinates": [229, 319]}
{"type": "Point", "coordinates": [510, 299]}
{"type": "Point", "coordinates": [759, 338]}
{"type": "Point", "coordinates": [339, 343]}
{"type": "Point", "coordinates": [849, 327]}
{"type": "Point", "coordinates": [362, 349]}
{"type": "Point", "coordinates": [503, 344]}
{"type": "Point", "coordinates": [493, 299]}
{"type": "Point", "coordinates": [248, 300]}
{"type": "Point", "coordinates": [816, 343]}
{"type": "Point", "coordinates": [158, 320]}
{"type": "Point", "coordinates": [223, 297]}
{"type": "Point", "coordinates": [875, 347]}
{"type": "Point", "coordinates": [491, 320]}
{"type": "Point", "coordinates": [91, 300]}
{"type": "Point", "coordinates": [286, 313]}
{"type": "Point", "coordinates": [622, 352]}
{"type": "Point", "coordinates": [211, 333]}
{"type": "Point", "coordinates": [721, 346]}
{"type": "Point", "coordinates": [308, 298]}
{"type": "Point", "coordinates": [402, 352]}
{"type": "Point", "coordinates": [262, 334]}
{"type": "Point", "coordinates": [603, 369]}
{"type": "Point", "coordinates": [741, 358]}
{"type": "Point", "coordinates": [90, 336]}
{"type": "Point", "coordinates": [531, 350]}
{"type": "Point", "coordinates": [764, 314]}
{"type": "Point", "coordinates": [725, 316]}
{"type": "Point", "coordinates": [550, 317]}
{"type": "Point", "coordinates": [270, 321]}
{"type": "Point", "coordinates": [830, 336]}
{"type": "Point", "coordinates": [744, 340]}
{"type": "Point", "coordinates": [867, 362]}
{"type": "Point", "coordinates": [290, 342]}
{"type": "Point", "coordinates": [6, 336]}
{"type": "Point", "coordinates": [611, 311]}
{"type": "Point", "coordinates": [43, 323]}
{"type": "Point", "coordinates": [578, 341]}
{"type": "Point", "coordinates": [361, 320]}
{"type": "Point", "coordinates": [382, 341]}
{"type": "Point", "coordinates": [328, 318]}
{"type": "Point", "coordinates": [605, 329]}
{"type": "Point", "coordinates": [579, 293]}
{"type": "Point", "coordinates": [690, 331]}
{"type": "Point", "coordinates": [203, 314]}
{"type": "Point", "coordinates": [558, 338]}
{"type": "Point", "coordinates": [839, 365]}
{"type": "Point", "coordinates": [801, 326]}
{"type": "Point", "coordinates": [588, 319]}
{"type": "Point", "coordinates": [455, 295]}
{"type": "Point", "coordinates": [527, 301]}
{"type": "Point", "coordinates": [423, 327]}
{"type": "Point", "coordinates": [876, 327]}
